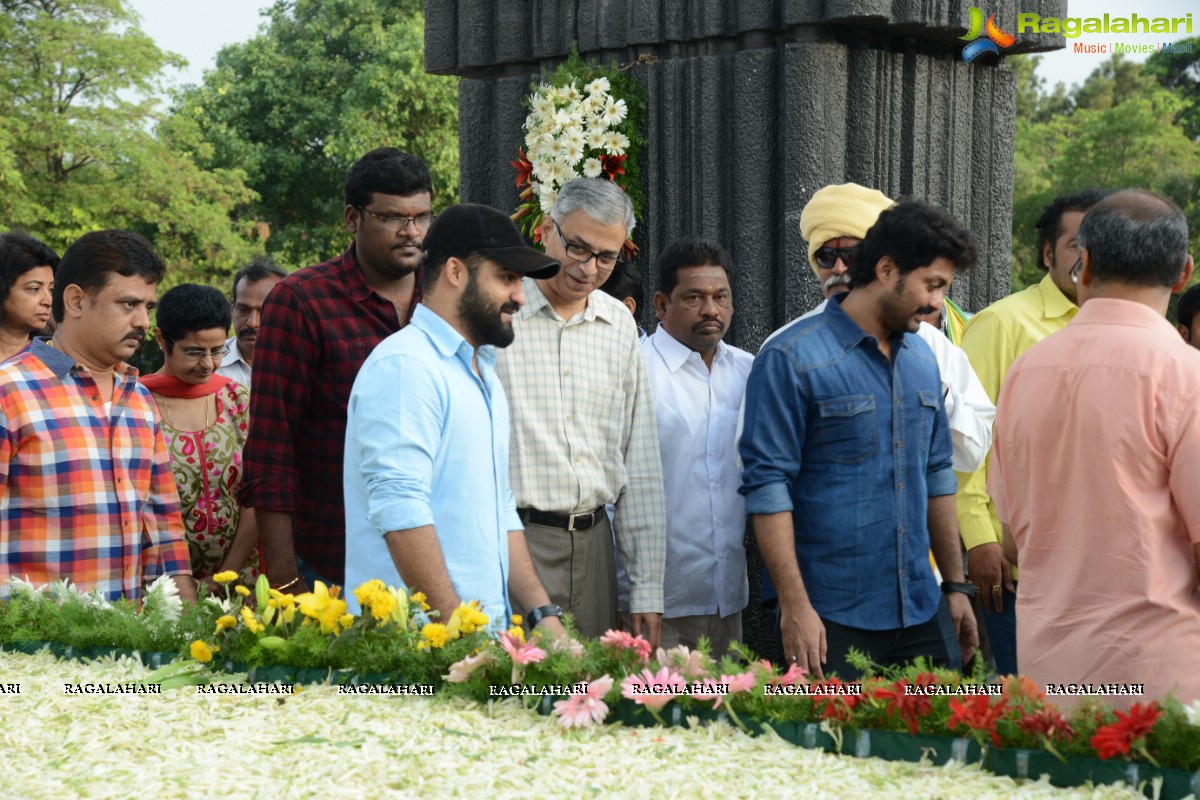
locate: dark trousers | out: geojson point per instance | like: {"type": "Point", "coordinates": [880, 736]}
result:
{"type": "Point", "coordinates": [1002, 633]}
{"type": "Point", "coordinates": [935, 640]}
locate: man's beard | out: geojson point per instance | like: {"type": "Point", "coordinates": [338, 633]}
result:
{"type": "Point", "coordinates": [897, 313]}
{"type": "Point", "coordinates": [482, 319]}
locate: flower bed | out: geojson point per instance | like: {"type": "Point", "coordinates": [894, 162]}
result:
{"type": "Point", "coordinates": [322, 743]}
{"type": "Point", "coordinates": [906, 714]}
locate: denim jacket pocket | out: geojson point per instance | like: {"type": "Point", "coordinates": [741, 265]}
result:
{"type": "Point", "coordinates": [929, 402]}
{"type": "Point", "coordinates": [847, 431]}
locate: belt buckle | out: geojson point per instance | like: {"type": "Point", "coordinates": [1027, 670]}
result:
{"type": "Point", "coordinates": [571, 522]}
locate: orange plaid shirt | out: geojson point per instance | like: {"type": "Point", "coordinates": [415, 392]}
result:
{"type": "Point", "coordinates": [85, 494]}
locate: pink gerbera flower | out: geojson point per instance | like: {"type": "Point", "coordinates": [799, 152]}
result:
{"type": "Point", "coordinates": [584, 709]}
{"type": "Point", "coordinates": [624, 640]}
{"type": "Point", "coordinates": [653, 690]}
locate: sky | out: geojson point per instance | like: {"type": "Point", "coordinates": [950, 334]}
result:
{"type": "Point", "coordinates": [197, 30]}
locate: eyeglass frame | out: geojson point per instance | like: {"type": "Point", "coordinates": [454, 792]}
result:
{"type": "Point", "coordinates": [399, 222]}
{"type": "Point", "coordinates": [1074, 273]}
{"type": "Point", "coordinates": [617, 260]}
{"type": "Point", "coordinates": [191, 355]}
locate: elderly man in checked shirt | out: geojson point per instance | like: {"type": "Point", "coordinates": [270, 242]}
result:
{"type": "Point", "coordinates": [86, 491]}
{"type": "Point", "coordinates": [584, 433]}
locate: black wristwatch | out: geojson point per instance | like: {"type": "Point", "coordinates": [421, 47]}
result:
{"type": "Point", "coordinates": [540, 613]}
{"type": "Point", "coordinates": [962, 588]}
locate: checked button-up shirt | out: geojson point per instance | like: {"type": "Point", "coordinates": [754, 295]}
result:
{"type": "Point", "coordinates": [85, 493]}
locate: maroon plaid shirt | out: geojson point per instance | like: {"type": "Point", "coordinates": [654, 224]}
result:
{"type": "Point", "coordinates": [318, 326]}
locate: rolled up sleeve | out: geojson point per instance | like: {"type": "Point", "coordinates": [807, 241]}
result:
{"type": "Point", "coordinates": [773, 433]}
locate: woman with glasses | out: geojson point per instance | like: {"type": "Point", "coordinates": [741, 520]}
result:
{"type": "Point", "coordinates": [26, 280]}
{"type": "Point", "coordinates": [205, 419]}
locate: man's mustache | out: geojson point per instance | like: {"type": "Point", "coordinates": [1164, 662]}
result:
{"type": "Point", "coordinates": [837, 280]}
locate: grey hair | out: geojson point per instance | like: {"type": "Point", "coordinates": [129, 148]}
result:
{"type": "Point", "coordinates": [1135, 237]}
{"type": "Point", "coordinates": [598, 198]}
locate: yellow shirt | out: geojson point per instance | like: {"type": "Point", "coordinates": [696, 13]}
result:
{"type": "Point", "coordinates": [993, 340]}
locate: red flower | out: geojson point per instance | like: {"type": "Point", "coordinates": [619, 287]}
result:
{"type": "Point", "coordinates": [1047, 723]}
{"type": "Point", "coordinates": [523, 167]}
{"type": "Point", "coordinates": [613, 165]}
{"type": "Point", "coordinates": [1117, 738]}
{"type": "Point", "coordinates": [910, 707]}
{"type": "Point", "coordinates": [831, 700]}
{"type": "Point", "coordinates": [978, 714]}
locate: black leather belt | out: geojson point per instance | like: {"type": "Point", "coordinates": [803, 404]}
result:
{"type": "Point", "coordinates": [568, 522]}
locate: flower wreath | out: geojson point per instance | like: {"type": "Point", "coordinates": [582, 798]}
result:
{"type": "Point", "coordinates": [584, 121]}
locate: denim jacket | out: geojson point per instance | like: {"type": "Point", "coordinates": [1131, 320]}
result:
{"type": "Point", "coordinates": [854, 446]}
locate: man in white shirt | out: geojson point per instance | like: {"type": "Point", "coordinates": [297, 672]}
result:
{"type": "Point", "coordinates": [251, 285]}
{"type": "Point", "coordinates": [698, 382]}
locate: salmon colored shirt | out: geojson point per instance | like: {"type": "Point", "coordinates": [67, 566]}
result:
{"type": "Point", "coordinates": [1094, 468]}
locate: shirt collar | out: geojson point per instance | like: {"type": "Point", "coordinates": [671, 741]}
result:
{"type": "Point", "coordinates": [233, 354]}
{"type": "Point", "coordinates": [848, 332]}
{"type": "Point", "coordinates": [675, 353]}
{"type": "Point", "coordinates": [446, 340]}
{"type": "Point", "coordinates": [1054, 303]}
{"type": "Point", "coordinates": [1115, 311]}
{"type": "Point", "coordinates": [535, 301]}
{"type": "Point", "coordinates": [352, 276]}
{"type": "Point", "coordinates": [60, 363]}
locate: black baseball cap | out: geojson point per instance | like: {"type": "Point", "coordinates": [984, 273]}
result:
{"type": "Point", "coordinates": [471, 228]}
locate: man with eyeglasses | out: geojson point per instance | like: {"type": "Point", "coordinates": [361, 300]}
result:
{"type": "Point", "coordinates": [584, 432]}
{"type": "Point", "coordinates": [993, 340]}
{"type": "Point", "coordinates": [698, 383]}
{"type": "Point", "coordinates": [86, 492]}
{"type": "Point", "coordinates": [318, 326]}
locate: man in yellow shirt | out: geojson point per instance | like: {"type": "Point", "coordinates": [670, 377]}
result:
{"type": "Point", "coordinates": [993, 340]}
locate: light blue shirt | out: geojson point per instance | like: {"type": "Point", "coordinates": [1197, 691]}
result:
{"type": "Point", "coordinates": [427, 444]}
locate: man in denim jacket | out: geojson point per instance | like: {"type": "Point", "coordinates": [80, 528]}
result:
{"type": "Point", "coordinates": [847, 460]}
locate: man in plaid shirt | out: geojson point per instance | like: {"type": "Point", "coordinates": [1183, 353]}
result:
{"type": "Point", "coordinates": [318, 326]}
{"type": "Point", "coordinates": [86, 491]}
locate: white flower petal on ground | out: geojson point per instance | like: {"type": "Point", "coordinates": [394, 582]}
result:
{"type": "Point", "coordinates": [189, 745]}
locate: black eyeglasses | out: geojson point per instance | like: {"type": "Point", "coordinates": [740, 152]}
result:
{"type": "Point", "coordinates": [197, 354]}
{"type": "Point", "coordinates": [826, 257]}
{"type": "Point", "coordinates": [395, 223]}
{"type": "Point", "coordinates": [577, 252]}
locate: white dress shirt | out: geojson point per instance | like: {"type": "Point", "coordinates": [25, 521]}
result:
{"type": "Point", "coordinates": [697, 413]}
{"type": "Point", "coordinates": [233, 366]}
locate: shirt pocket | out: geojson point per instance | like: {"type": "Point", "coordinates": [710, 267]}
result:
{"type": "Point", "coordinates": [847, 431]}
{"type": "Point", "coordinates": [927, 407]}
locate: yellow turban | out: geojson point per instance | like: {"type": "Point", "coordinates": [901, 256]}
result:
{"type": "Point", "coordinates": [845, 209]}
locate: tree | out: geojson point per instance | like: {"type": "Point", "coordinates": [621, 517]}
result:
{"type": "Point", "coordinates": [1119, 134]}
{"type": "Point", "coordinates": [326, 81]}
{"type": "Point", "coordinates": [1179, 71]}
{"type": "Point", "coordinates": [78, 145]}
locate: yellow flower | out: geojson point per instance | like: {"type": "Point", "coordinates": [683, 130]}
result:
{"type": "Point", "coordinates": [435, 634]}
{"type": "Point", "coordinates": [517, 632]}
{"type": "Point", "coordinates": [242, 590]}
{"type": "Point", "coordinates": [517, 619]}
{"type": "Point", "coordinates": [201, 651]}
{"type": "Point", "coordinates": [420, 599]}
{"type": "Point", "coordinates": [252, 621]}
{"type": "Point", "coordinates": [224, 623]}
{"type": "Point", "coordinates": [346, 620]}
{"type": "Point", "coordinates": [323, 605]}
{"type": "Point", "coordinates": [284, 601]}
{"type": "Point", "coordinates": [381, 601]}
{"type": "Point", "coordinates": [228, 576]}
{"type": "Point", "coordinates": [467, 618]}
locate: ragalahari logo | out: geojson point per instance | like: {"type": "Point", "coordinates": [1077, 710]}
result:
{"type": "Point", "coordinates": [995, 36]}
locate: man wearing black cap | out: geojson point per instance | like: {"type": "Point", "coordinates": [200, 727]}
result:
{"type": "Point", "coordinates": [428, 503]}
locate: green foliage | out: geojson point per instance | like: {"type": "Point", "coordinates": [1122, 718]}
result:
{"type": "Point", "coordinates": [1180, 73]}
{"type": "Point", "coordinates": [324, 82]}
{"type": "Point", "coordinates": [1118, 132]}
{"type": "Point", "coordinates": [79, 146]}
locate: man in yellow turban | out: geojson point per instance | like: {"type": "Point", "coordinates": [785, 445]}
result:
{"type": "Point", "coordinates": [835, 219]}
